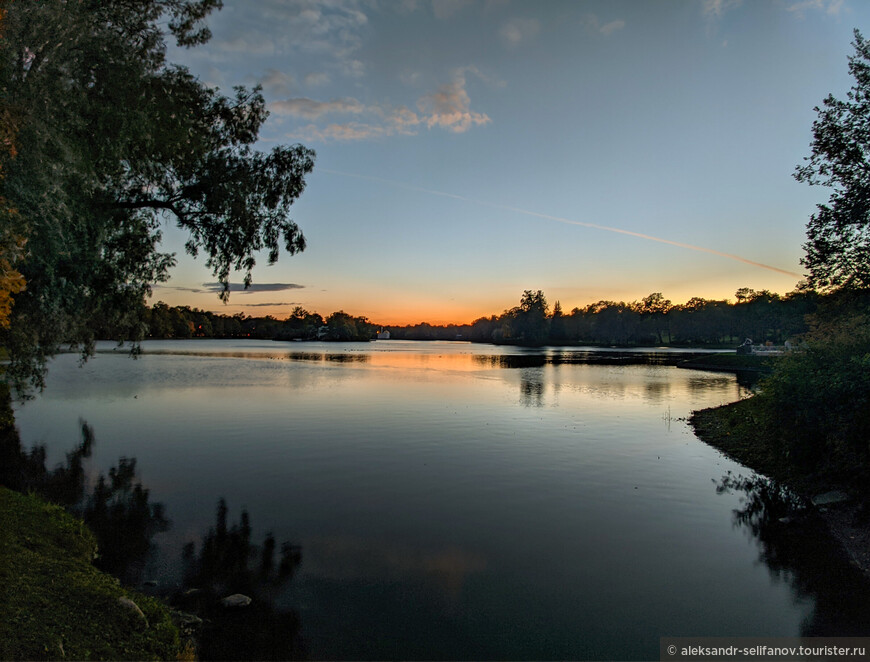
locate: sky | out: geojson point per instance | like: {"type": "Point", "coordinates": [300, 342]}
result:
{"type": "Point", "coordinates": [468, 150]}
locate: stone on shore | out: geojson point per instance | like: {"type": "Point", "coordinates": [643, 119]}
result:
{"type": "Point", "coordinates": [133, 609]}
{"type": "Point", "coordinates": [236, 600]}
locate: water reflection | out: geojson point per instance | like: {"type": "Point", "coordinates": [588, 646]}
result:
{"type": "Point", "coordinates": [228, 564]}
{"type": "Point", "coordinates": [531, 389]}
{"type": "Point", "coordinates": [119, 512]}
{"type": "Point", "coordinates": [391, 355]}
{"type": "Point", "coordinates": [510, 360]}
{"type": "Point", "coordinates": [315, 357]}
{"type": "Point", "coordinates": [657, 391]}
{"type": "Point", "coordinates": [580, 357]}
{"type": "Point", "coordinates": [797, 549]}
{"type": "Point", "coordinates": [118, 509]}
{"type": "Point", "coordinates": [449, 506]}
{"type": "Point", "coordinates": [328, 357]}
{"type": "Point", "coordinates": [343, 558]}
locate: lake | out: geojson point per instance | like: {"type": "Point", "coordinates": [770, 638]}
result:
{"type": "Point", "coordinates": [451, 500]}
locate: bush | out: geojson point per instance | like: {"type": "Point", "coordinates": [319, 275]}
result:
{"type": "Point", "coordinates": [816, 404]}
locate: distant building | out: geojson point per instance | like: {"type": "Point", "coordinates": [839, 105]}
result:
{"type": "Point", "coordinates": [383, 334]}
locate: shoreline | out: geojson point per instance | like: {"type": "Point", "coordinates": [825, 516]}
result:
{"type": "Point", "coordinates": [727, 428]}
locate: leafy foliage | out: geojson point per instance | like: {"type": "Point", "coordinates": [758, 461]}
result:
{"type": "Point", "coordinates": [838, 234]}
{"type": "Point", "coordinates": [816, 404]}
{"type": "Point", "coordinates": [111, 141]}
{"type": "Point", "coordinates": [342, 326]}
{"type": "Point", "coordinates": [11, 244]}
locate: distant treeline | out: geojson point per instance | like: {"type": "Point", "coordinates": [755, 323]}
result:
{"type": "Point", "coordinates": [163, 321]}
{"type": "Point", "coordinates": [760, 315]}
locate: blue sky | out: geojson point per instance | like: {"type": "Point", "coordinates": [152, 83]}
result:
{"type": "Point", "coordinates": [468, 150]}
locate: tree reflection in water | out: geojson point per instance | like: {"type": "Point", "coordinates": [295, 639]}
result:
{"type": "Point", "coordinates": [124, 520]}
{"type": "Point", "coordinates": [228, 564]}
{"type": "Point", "coordinates": [118, 509]}
{"type": "Point", "coordinates": [797, 548]}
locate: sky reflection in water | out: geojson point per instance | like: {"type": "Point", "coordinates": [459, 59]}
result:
{"type": "Point", "coordinates": [448, 505]}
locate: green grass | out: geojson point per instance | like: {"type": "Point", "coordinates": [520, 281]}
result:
{"type": "Point", "coordinates": [56, 605]}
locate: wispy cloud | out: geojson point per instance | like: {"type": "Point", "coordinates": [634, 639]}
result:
{"type": "Point", "coordinates": [444, 9]}
{"type": "Point", "coordinates": [316, 78]}
{"type": "Point", "coordinates": [407, 6]}
{"type": "Point", "coordinates": [254, 287]}
{"type": "Point", "coordinates": [176, 288]}
{"type": "Point", "coordinates": [277, 82]}
{"type": "Point", "coordinates": [248, 43]}
{"type": "Point", "coordinates": [350, 131]}
{"type": "Point", "coordinates": [311, 109]}
{"type": "Point", "coordinates": [593, 22]}
{"type": "Point", "coordinates": [385, 122]}
{"type": "Point", "coordinates": [831, 7]}
{"type": "Point", "coordinates": [448, 107]}
{"type": "Point", "coordinates": [716, 8]}
{"type": "Point", "coordinates": [331, 30]}
{"type": "Point", "coordinates": [263, 305]}
{"type": "Point", "coordinates": [519, 30]}
{"type": "Point", "coordinates": [611, 27]}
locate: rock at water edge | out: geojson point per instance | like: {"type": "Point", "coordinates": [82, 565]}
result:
{"type": "Point", "coordinates": [133, 609]}
{"type": "Point", "coordinates": [236, 600]}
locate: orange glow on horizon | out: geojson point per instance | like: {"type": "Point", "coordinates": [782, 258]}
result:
{"type": "Point", "coordinates": [404, 309]}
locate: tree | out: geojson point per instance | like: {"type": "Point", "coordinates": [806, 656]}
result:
{"type": "Point", "coordinates": [558, 329]}
{"type": "Point", "coordinates": [656, 307]}
{"type": "Point", "coordinates": [11, 244]}
{"type": "Point", "coordinates": [111, 141]}
{"type": "Point", "coordinates": [531, 323]}
{"type": "Point", "coordinates": [838, 234]}
{"type": "Point", "coordinates": [342, 326]}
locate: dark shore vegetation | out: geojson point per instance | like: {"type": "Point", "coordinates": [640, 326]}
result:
{"type": "Point", "coordinates": [810, 419]}
{"type": "Point", "coordinates": [808, 425]}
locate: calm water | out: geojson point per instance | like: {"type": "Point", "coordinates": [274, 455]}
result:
{"type": "Point", "coordinates": [450, 502]}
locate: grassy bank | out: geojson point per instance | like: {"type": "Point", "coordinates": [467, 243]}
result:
{"type": "Point", "coordinates": [57, 605]}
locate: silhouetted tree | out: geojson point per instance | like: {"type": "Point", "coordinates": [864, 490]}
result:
{"type": "Point", "coordinates": [531, 324]}
{"type": "Point", "coordinates": [656, 308]}
{"type": "Point", "coordinates": [558, 330]}
{"type": "Point", "coordinates": [838, 234]}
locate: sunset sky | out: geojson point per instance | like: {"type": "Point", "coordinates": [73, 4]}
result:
{"type": "Point", "coordinates": [469, 150]}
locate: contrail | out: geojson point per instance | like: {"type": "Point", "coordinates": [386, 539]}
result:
{"type": "Point", "coordinates": [559, 219]}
